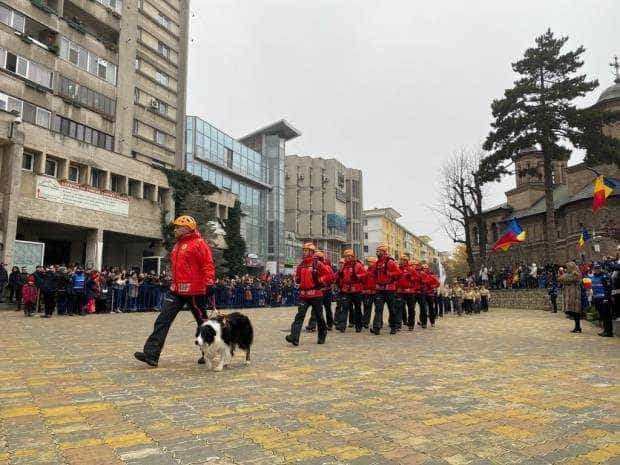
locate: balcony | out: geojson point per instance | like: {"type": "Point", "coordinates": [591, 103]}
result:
{"type": "Point", "coordinates": [38, 34]}
{"type": "Point", "coordinates": [49, 6]}
{"type": "Point", "coordinates": [87, 18]}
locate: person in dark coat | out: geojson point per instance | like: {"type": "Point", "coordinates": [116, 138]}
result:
{"type": "Point", "coordinates": [4, 280]}
{"type": "Point", "coordinates": [15, 286]}
{"type": "Point", "coordinates": [571, 293]}
{"type": "Point", "coordinates": [49, 285]}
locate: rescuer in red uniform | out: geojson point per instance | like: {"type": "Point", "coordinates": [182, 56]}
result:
{"type": "Point", "coordinates": [406, 289]}
{"type": "Point", "coordinates": [370, 289]}
{"type": "Point", "coordinates": [327, 299]}
{"type": "Point", "coordinates": [312, 275]}
{"type": "Point", "coordinates": [429, 284]}
{"type": "Point", "coordinates": [193, 273]}
{"type": "Point", "coordinates": [351, 283]}
{"type": "Point", "coordinates": [386, 276]}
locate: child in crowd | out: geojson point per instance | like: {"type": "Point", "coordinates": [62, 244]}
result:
{"type": "Point", "coordinates": [484, 299]}
{"type": "Point", "coordinates": [29, 296]}
{"type": "Point", "coordinates": [468, 300]}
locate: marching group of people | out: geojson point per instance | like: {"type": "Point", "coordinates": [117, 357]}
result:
{"type": "Point", "coordinates": [381, 282]}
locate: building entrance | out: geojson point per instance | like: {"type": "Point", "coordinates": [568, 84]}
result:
{"type": "Point", "coordinates": [57, 252]}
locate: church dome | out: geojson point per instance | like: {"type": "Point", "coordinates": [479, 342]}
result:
{"type": "Point", "coordinates": [611, 93]}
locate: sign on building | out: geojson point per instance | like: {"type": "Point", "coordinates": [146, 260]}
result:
{"type": "Point", "coordinates": [69, 193]}
{"type": "Point", "coordinates": [28, 255]}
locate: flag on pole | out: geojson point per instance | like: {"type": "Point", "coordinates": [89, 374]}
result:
{"type": "Point", "coordinates": [603, 188]}
{"type": "Point", "coordinates": [513, 235]}
{"type": "Point", "coordinates": [584, 237]}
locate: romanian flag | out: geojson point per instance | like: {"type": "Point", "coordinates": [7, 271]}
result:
{"type": "Point", "coordinates": [603, 188]}
{"type": "Point", "coordinates": [513, 235]}
{"type": "Point", "coordinates": [585, 237]}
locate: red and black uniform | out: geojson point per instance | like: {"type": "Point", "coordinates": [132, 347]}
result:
{"type": "Point", "coordinates": [387, 273]}
{"type": "Point", "coordinates": [351, 284]}
{"type": "Point", "coordinates": [427, 289]}
{"type": "Point", "coordinates": [193, 273]}
{"type": "Point", "coordinates": [327, 304]}
{"type": "Point", "coordinates": [406, 289]}
{"type": "Point", "coordinates": [368, 294]}
{"type": "Point", "coordinates": [313, 276]}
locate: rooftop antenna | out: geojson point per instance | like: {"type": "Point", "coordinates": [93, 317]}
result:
{"type": "Point", "coordinates": [616, 65]}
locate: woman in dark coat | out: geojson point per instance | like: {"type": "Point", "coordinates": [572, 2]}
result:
{"type": "Point", "coordinates": [16, 282]}
{"type": "Point", "coordinates": [571, 293]}
{"type": "Point", "coordinates": [49, 286]}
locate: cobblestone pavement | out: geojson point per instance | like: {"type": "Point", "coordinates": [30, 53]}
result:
{"type": "Point", "coordinates": [502, 388]}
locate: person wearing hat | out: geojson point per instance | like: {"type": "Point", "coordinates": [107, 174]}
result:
{"type": "Point", "coordinates": [387, 273]}
{"type": "Point", "coordinates": [351, 283]}
{"type": "Point", "coordinates": [312, 276]}
{"type": "Point", "coordinates": [429, 284]}
{"type": "Point", "coordinates": [601, 298]}
{"type": "Point", "coordinates": [407, 283]}
{"type": "Point", "coordinates": [327, 299]}
{"type": "Point", "coordinates": [370, 289]}
{"type": "Point", "coordinates": [193, 273]}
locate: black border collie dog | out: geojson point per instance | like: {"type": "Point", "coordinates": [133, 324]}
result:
{"type": "Point", "coordinates": [219, 336]}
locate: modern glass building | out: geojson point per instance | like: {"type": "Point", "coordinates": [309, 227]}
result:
{"type": "Point", "coordinates": [232, 166]}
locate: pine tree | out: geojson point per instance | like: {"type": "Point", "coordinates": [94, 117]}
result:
{"type": "Point", "coordinates": [234, 254]}
{"type": "Point", "coordinates": [539, 110]}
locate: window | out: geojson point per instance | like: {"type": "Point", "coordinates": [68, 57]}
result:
{"type": "Point", "coordinates": [365, 235]}
{"type": "Point", "coordinates": [136, 95]}
{"type": "Point", "coordinates": [162, 78]}
{"type": "Point", "coordinates": [163, 49]}
{"type": "Point", "coordinates": [136, 127]}
{"type": "Point", "coordinates": [51, 167]}
{"type": "Point", "coordinates": [87, 97]}
{"type": "Point", "coordinates": [159, 137]}
{"type": "Point", "coordinates": [148, 192]}
{"type": "Point", "coordinates": [29, 113]}
{"type": "Point", "coordinates": [82, 133]}
{"type": "Point", "coordinates": [43, 118]}
{"type": "Point", "coordinates": [97, 178]}
{"type": "Point", "coordinates": [163, 20]}
{"type": "Point", "coordinates": [116, 183]}
{"type": "Point", "coordinates": [87, 60]}
{"type": "Point", "coordinates": [28, 161]}
{"type": "Point", "coordinates": [74, 173]}
{"type": "Point", "coordinates": [12, 18]}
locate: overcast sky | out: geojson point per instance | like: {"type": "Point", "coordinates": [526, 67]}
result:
{"type": "Point", "coordinates": [388, 87]}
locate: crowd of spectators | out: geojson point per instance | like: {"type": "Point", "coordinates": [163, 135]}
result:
{"type": "Point", "coordinates": [73, 290]}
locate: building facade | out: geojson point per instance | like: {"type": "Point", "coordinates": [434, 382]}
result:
{"type": "Point", "coordinates": [572, 200]}
{"type": "Point", "coordinates": [233, 167]}
{"type": "Point", "coordinates": [324, 204]}
{"type": "Point", "coordinates": [270, 142]}
{"type": "Point", "coordinates": [92, 98]}
{"type": "Point", "coordinates": [381, 227]}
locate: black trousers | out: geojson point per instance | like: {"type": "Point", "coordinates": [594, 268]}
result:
{"type": "Point", "coordinates": [351, 304]}
{"type": "Point", "coordinates": [367, 300]}
{"type": "Point", "coordinates": [420, 299]}
{"type": "Point", "coordinates": [554, 302]}
{"type": "Point", "coordinates": [317, 313]}
{"type": "Point", "coordinates": [604, 310]}
{"type": "Point", "coordinates": [49, 297]}
{"type": "Point", "coordinates": [577, 319]}
{"type": "Point", "coordinates": [329, 316]}
{"type": "Point", "coordinates": [406, 305]}
{"type": "Point", "coordinates": [468, 305]}
{"type": "Point", "coordinates": [484, 303]}
{"type": "Point", "coordinates": [173, 304]}
{"type": "Point", "coordinates": [78, 300]}
{"type": "Point", "coordinates": [383, 297]}
{"type": "Point", "coordinates": [432, 308]}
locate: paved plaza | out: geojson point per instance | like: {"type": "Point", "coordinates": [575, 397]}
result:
{"type": "Point", "coordinates": [507, 387]}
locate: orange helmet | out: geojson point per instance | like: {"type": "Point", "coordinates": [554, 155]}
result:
{"type": "Point", "coordinates": [319, 254]}
{"type": "Point", "coordinates": [382, 247]}
{"type": "Point", "coordinates": [371, 259]}
{"type": "Point", "coordinates": [186, 221]}
{"type": "Point", "coordinates": [309, 246]}
{"type": "Point", "coordinates": [348, 253]}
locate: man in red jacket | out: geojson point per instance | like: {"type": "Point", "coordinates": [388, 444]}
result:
{"type": "Point", "coordinates": [386, 276]}
{"type": "Point", "coordinates": [327, 299]}
{"type": "Point", "coordinates": [312, 275]}
{"type": "Point", "coordinates": [406, 289]}
{"type": "Point", "coordinates": [429, 284]}
{"type": "Point", "coordinates": [193, 273]}
{"type": "Point", "coordinates": [370, 289]}
{"type": "Point", "coordinates": [351, 284]}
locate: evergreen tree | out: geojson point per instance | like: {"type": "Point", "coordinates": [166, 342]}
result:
{"type": "Point", "coordinates": [234, 254]}
{"type": "Point", "coordinates": [539, 110]}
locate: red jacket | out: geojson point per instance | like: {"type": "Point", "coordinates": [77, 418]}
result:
{"type": "Point", "coordinates": [29, 294]}
{"type": "Point", "coordinates": [429, 283]}
{"type": "Point", "coordinates": [351, 277]}
{"type": "Point", "coordinates": [328, 286]}
{"type": "Point", "coordinates": [387, 273]}
{"type": "Point", "coordinates": [370, 283]}
{"type": "Point", "coordinates": [313, 275]}
{"type": "Point", "coordinates": [192, 265]}
{"type": "Point", "coordinates": [409, 281]}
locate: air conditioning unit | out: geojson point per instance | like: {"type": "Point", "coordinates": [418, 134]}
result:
{"type": "Point", "coordinates": [325, 179]}
{"type": "Point", "coordinates": [154, 104]}
{"type": "Point", "coordinates": [301, 177]}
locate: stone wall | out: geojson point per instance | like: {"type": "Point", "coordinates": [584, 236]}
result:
{"type": "Point", "coordinates": [528, 299]}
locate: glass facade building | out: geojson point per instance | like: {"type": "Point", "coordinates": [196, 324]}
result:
{"type": "Point", "coordinates": [232, 166]}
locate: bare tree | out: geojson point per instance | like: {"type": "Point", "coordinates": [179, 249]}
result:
{"type": "Point", "coordinates": [460, 201]}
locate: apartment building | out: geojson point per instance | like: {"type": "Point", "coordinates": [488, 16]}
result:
{"type": "Point", "coordinates": [381, 227]}
{"type": "Point", "coordinates": [92, 98]}
{"type": "Point", "coordinates": [324, 204]}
